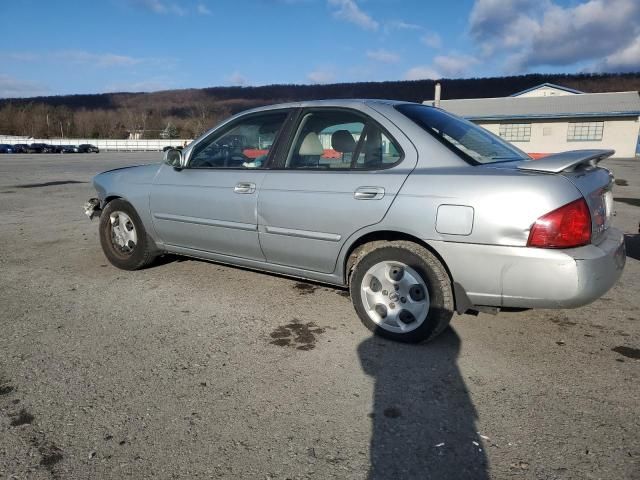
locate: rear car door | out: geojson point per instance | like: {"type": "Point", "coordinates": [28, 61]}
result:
{"type": "Point", "coordinates": [341, 174]}
{"type": "Point", "coordinates": [210, 205]}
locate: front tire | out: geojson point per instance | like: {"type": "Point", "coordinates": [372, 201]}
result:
{"type": "Point", "coordinates": [401, 291]}
{"type": "Point", "coordinates": [123, 238]}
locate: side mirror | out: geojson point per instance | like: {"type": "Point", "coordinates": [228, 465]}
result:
{"type": "Point", "coordinates": [173, 157]}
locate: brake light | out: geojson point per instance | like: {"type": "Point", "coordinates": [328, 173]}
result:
{"type": "Point", "coordinates": [568, 226]}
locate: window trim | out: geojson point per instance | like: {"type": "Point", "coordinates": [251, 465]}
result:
{"type": "Point", "coordinates": [231, 124]}
{"type": "Point", "coordinates": [279, 163]}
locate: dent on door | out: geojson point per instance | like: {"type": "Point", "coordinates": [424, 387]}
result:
{"type": "Point", "coordinates": [208, 210]}
{"type": "Point", "coordinates": [305, 217]}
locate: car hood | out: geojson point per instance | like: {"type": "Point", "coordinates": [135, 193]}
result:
{"type": "Point", "coordinates": [131, 168]}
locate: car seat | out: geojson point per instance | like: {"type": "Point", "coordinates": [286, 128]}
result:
{"type": "Point", "coordinates": [309, 153]}
{"type": "Point", "coordinates": [342, 141]}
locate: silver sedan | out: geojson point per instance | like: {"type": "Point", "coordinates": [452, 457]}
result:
{"type": "Point", "coordinates": [418, 212]}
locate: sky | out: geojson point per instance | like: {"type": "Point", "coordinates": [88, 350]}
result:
{"type": "Point", "coordinates": [71, 47]}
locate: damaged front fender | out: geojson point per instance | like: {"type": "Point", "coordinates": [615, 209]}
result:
{"type": "Point", "coordinates": [92, 208]}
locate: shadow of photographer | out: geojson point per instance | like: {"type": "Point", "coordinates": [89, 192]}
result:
{"type": "Point", "coordinates": [423, 417]}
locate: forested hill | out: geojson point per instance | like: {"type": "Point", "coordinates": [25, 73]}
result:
{"type": "Point", "coordinates": [189, 112]}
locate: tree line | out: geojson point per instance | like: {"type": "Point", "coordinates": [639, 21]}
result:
{"type": "Point", "coordinates": [190, 112]}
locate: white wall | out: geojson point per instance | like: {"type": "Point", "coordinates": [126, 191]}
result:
{"type": "Point", "coordinates": [550, 136]}
{"type": "Point", "coordinates": [102, 144]}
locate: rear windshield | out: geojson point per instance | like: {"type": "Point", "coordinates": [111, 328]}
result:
{"type": "Point", "coordinates": [473, 143]}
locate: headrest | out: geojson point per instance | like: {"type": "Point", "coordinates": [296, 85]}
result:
{"type": "Point", "coordinates": [311, 145]}
{"type": "Point", "coordinates": [343, 141]}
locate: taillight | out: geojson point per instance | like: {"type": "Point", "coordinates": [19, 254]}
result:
{"type": "Point", "coordinates": [568, 226]}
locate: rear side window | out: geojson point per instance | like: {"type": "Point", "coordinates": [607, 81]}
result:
{"type": "Point", "coordinates": [471, 142]}
{"type": "Point", "coordinates": [343, 140]}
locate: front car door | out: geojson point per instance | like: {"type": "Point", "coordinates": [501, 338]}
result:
{"type": "Point", "coordinates": [210, 204]}
{"type": "Point", "coordinates": [341, 174]}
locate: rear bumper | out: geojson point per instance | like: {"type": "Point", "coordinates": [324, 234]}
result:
{"type": "Point", "coordinates": [525, 277]}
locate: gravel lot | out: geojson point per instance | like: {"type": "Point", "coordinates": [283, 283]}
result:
{"type": "Point", "coordinates": [181, 371]}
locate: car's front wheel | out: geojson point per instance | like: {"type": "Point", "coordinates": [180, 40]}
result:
{"type": "Point", "coordinates": [401, 291]}
{"type": "Point", "coordinates": [123, 238]}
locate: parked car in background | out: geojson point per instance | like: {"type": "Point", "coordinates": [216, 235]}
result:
{"type": "Point", "coordinates": [20, 148]}
{"type": "Point", "coordinates": [418, 212]}
{"type": "Point", "coordinates": [55, 148]}
{"type": "Point", "coordinates": [88, 148]}
{"type": "Point", "coordinates": [70, 149]}
{"type": "Point", "coordinates": [39, 148]}
{"type": "Point", "coordinates": [5, 148]}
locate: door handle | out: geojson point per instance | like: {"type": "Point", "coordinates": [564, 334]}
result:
{"type": "Point", "coordinates": [245, 188]}
{"type": "Point", "coordinates": [368, 193]}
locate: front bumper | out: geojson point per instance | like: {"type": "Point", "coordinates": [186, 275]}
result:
{"type": "Point", "coordinates": [524, 277]}
{"type": "Point", "coordinates": [92, 208]}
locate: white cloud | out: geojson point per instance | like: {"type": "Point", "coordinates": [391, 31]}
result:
{"type": "Point", "coordinates": [103, 60]}
{"type": "Point", "coordinates": [349, 11]}
{"type": "Point", "coordinates": [401, 25]}
{"type": "Point", "coordinates": [431, 39]}
{"type": "Point", "coordinates": [626, 59]}
{"type": "Point", "coordinates": [11, 87]}
{"type": "Point", "coordinates": [535, 33]}
{"type": "Point", "coordinates": [322, 75]}
{"type": "Point", "coordinates": [160, 7]}
{"type": "Point", "coordinates": [202, 9]}
{"type": "Point", "coordinates": [151, 85]}
{"type": "Point", "coordinates": [20, 56]}
{"type": "Point", "coordinates": [422, 72]}
{"type": "Point", "coordinates": [383, 56]}
{"type": "Point", "coordinates": [237, 79]}
{"type": "Point", "coordinates": [443, 66]}
{"type": "Point", "coordinates": [454, 65]}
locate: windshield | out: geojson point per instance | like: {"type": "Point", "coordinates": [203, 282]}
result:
{"type": "Point", "coordinates": [473, 143]}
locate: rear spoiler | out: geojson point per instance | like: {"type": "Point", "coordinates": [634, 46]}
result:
{"type": "Point", "coordinates": [566, 161]}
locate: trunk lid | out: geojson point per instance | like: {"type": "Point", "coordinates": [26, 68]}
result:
{"type": "Point", "coordinates": [595, 183]}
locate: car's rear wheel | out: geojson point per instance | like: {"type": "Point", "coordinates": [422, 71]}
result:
{"type": "Point", "coordinates": [123, 238]}
{"type": "Point", "coordinates": [401, 291]}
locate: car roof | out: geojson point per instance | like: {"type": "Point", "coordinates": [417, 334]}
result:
{"type": "Point", "coordinates": [339, 102]}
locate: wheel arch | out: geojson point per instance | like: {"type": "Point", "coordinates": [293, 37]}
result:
{"type": "Point", "coordinates": [110, 198]}
{"type": "Point", "coordinates": [461, 301]}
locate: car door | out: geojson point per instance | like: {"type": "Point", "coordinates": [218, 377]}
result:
{"type": "Point", "coordinates": [341, 174]}
{"type": "Point", "coordinates": [210, 205]}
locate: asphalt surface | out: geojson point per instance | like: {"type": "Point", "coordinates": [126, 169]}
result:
{"type": "Point", "coordinates": [183, 370]}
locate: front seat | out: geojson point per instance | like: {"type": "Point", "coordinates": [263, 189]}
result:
{"type": "Point", "coordinates": [309, 153]}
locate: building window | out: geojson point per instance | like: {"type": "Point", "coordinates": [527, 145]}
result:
{"type": "Point", "coordinates": [585, 131]}
{"type": "Point", "coordinates": [515, 132]}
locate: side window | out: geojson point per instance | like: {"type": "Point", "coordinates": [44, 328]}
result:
{"type": "Point", "coordinates": [340, 139]}
{"type": "Point", "coordinates": [244, 144]}
{"type": "Point", "coordinates": [377, 151]}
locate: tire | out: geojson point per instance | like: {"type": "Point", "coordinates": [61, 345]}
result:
{"type": "Point", "coordinates": [421, 306]}
{"type": "Point", "coordinates": [124, 240]}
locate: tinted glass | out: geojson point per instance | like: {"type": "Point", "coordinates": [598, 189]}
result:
{"type": "Point", "coordinates": [245, 144]}
{"type": "Point", "coordinates": [472, 142]}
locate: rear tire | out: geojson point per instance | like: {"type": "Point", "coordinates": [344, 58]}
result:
{"type": "Point", "coordinates": [124, 240]}
{"type": "Point", "coordinates": [401, 291]}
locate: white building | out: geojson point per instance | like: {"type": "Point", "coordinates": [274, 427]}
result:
{"type": "Point", "coordinates": [551, 118]}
